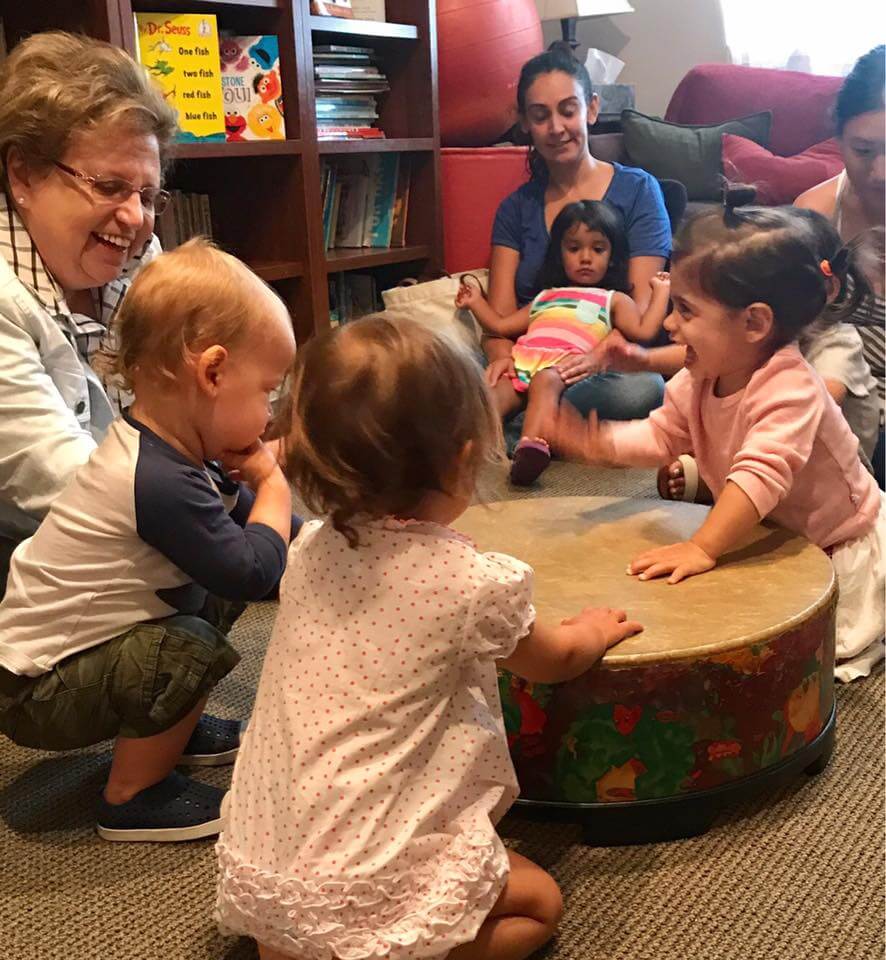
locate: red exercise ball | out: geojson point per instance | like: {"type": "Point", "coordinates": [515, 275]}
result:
{"type": "Point", "coordinates": [481, 46]}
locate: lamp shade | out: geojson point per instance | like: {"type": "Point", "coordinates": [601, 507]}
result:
{"type": "Point", "coordinates": [557, 9]}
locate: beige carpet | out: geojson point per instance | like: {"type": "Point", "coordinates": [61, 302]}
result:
{"type": "Point", "coordinates": [798, 877]}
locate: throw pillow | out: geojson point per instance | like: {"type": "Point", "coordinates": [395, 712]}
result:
{"type": "Point", "coordinates": [779, 179]}
{"type": "Point", "coordinates": [689, 153]}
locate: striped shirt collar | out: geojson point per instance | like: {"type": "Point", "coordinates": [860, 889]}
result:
{"type": "Point", "coordinates": [88, 335]}
{"type": "Point", "coordinates": [20, 253]}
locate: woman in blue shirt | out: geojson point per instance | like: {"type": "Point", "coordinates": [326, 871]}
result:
{"type": "Point", "coordinates": [556, 106]}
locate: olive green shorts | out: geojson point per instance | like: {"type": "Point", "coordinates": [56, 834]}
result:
{"type": "Point", "coordinates": [135, 685]}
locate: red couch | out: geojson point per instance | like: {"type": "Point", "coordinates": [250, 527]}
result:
{"type": "Point", "coordinates": [801, 103]}
{"type": "Point", "coordinates": [476, 180]}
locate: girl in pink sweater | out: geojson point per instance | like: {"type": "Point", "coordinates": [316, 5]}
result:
{"type": "Point", "coordinates": [768, 438]}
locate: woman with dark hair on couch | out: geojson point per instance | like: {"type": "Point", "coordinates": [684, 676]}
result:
{"type": "Point", "coordinates": [556, 105]}
{"type": "Point", "coordinates": [854, 201]}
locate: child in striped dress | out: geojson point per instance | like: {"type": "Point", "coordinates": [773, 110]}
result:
{"type": "Point", "coordinates": [584, 296]}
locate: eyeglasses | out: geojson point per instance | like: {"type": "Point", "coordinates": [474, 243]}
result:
{"type": "Point", "coordinates": [116, 190]}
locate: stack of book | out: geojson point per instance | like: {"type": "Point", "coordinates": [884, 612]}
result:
{"type": "Point", "coordinates": [352, 295]}
{"type": "Point", "coordinates": [365, 200]}
{"type": "Point", "coordinates": [347, 82]}
{"type": "Point", "coordinates": [188, 215]}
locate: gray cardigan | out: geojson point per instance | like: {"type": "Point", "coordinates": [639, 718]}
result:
{"type": "Point", "coordinates": [53, 407]}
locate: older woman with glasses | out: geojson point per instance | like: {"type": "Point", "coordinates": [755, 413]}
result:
{"type": "Point", "coordinates": [83, 139]}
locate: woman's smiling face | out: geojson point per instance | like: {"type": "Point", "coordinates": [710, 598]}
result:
{"type": "Point", "coordinates": [557, 116]}
{"type": "Point", "coordinates": [84, 239]}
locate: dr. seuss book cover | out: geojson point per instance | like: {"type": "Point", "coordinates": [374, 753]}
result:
{"type": "Point", "coordinates": [180, 51]}
{"type": "Point", "coordinates": [252, 88]}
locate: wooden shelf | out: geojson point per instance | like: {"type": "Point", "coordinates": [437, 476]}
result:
{"type": "Point", "coordinates": [270, 270]}
{"type": "Point", "coordinates": [353, 258]}
{"type": "Point", "coordinates": [364, 28]}
{"type": "Point", "coordinates": [267, 196]}
{"type": "Point", "coordinates": [203, 6]}
{"type": "Point", "coordinates": [391, 145]}
{"type": "Point", "coordinates": [175, 6]}
{"type": "Point", "coordinates": [247, 148]}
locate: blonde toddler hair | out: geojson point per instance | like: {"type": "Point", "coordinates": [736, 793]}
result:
{"type": "Point", "coordinates": [55, 85]}
{"type": "Point", "coordinates": [382, 411]}
{"type": "Point", "coordinates": [183, 302]}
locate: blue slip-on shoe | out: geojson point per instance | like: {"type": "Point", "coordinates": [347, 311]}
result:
{"type": "Point", "coordinates": [213, 743]}
{"type": "Point", "coordinates": [176, 808]}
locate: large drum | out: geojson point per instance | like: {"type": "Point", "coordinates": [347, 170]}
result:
{"type": "Point", "coordinates": [728, 689]}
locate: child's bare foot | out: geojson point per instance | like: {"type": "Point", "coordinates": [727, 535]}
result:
{"type": "Point", "coordinates": [532, 456]}
{"type": "Point", "coordinates": [672, 482]}
{"type": "Point", "coordinates": [681, 480]}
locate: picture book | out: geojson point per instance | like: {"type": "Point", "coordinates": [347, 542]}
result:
{"type": "Point", "coordinates": [368, 9]}
{"type": "Point", "coordinates": [377, 227]}
{"type": "Point", "coordinates": [252, 88]}
{"type": "Point", "coordinates": [181, 53]}
{"type": "Point", "coordinates": [353, 173]}
{"type": "Point", "coordinates": [332, 8]}
{"type": "Point", "coordinates": [401, 202]}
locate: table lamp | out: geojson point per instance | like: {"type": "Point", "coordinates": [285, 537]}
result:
{"type": "Point", "coordinates": [568, 12]}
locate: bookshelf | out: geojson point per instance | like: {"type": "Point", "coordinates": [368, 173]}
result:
{"type": "Point", "coordinates": [265, 196]}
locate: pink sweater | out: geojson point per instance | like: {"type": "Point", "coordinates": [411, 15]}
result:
{"type": "Point", "coordinates": [782, 439]}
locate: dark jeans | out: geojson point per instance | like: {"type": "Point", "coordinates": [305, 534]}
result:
{"type": "Point", "coordinates": [6, 549]}
{"type": "Point", "coordinates": [615, 396]}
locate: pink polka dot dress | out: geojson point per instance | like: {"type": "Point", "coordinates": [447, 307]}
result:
{"type": "Point", "coordinates": [362, 811]}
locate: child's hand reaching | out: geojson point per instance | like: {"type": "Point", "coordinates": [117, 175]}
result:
{"type": "Point", "coordinates": [575, 438]}
{"type": "Point", "coordinates": [614, 352]}
{"type": "Point", "coordinates": [661, 281]}
{"type": "Point", "coordinates": [680, 560]}
{"type": "Point", "coordinates": [469, 295]}
{"type": "Point", "coordinates": [254, 464]}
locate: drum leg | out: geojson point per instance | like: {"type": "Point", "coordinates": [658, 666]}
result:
{"type": "Point", "coordinates": [625, 825]}
{"type": "Point", "coordinates": [827, 748]}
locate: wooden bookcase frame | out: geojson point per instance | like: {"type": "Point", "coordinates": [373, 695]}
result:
{"type": "Point", "coordinates": [265, 196]}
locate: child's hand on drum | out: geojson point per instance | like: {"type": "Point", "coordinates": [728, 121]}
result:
{"type": "Point", "coordinates": [554, 654]}
{"type": "Point", "coordinates": [680, 560]}
{"type": "Point", "coordinates": [603, 625]}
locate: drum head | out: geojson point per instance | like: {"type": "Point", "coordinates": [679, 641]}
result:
{"type": "Point", "coordinates": [580, 547]}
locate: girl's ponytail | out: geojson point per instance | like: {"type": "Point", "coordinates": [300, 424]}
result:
{"type": "Point", "coordinates": [735, 196]}
{"type": "Point", "coordinates": [852, 265]}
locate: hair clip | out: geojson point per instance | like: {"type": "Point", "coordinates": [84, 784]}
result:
{"type": "Point", "coordinates": [825, 267]}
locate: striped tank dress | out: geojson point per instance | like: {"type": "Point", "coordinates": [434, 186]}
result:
{"type": "Point", "coordinates": [562, 322]}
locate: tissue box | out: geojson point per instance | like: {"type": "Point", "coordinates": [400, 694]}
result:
{"type": "Point", "coordinates": [369, 9]}
{"type": "Point", "coordinates": [615, 97]}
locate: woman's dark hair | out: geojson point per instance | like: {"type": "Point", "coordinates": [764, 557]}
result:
{"type": "Point", "coordinates": [595, 215]}
{"type": "Point", "coordinates": [557, 58]}
{"type": "Point", "coordinates": [862, 90]}
{"type": "Point", "coordinates": [742, 255]}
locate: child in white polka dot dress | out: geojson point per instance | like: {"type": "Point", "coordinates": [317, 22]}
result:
{"type": "Point", "coordinates": [362, 811]}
